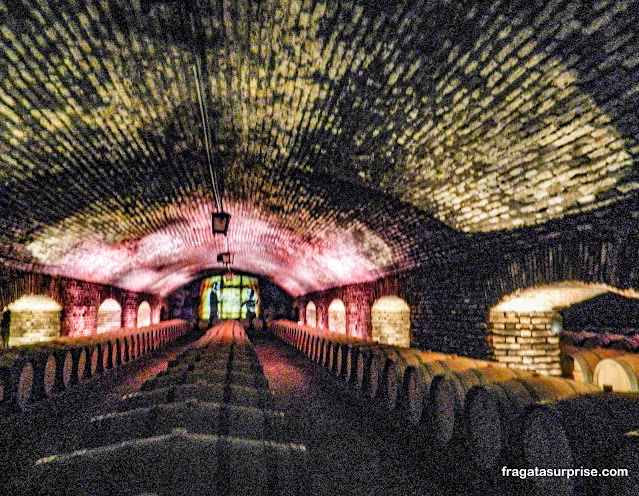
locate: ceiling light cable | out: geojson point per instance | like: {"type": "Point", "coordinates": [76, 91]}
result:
{"type": "Point", "coordinates": [207, 141]}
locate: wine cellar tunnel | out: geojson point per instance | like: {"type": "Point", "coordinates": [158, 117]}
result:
{"type": "Point", "coordinates": [423, 213]}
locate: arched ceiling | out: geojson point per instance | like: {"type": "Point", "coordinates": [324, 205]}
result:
{"type": "Point", "coordinates": [353, 140]}
{"type": "Point", "coordinates": [557, 296]}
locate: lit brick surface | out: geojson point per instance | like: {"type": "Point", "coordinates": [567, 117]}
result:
{"type": "Point", "coordinates": [345, 132]}
{"type": "Point", "coordinates": [525, 341]}
{"type": "Point", "coordinates": [79, 302]}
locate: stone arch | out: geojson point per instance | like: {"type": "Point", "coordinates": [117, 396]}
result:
{"type": "Point", "coordinates": [524, 325]}
{"type": "Point", "coordinates": [34, 318]}
{"type": "Point", "coordinates": [390, 321]}
{"type": "Point", "coordinates": [311, 314]}
{"type": "Point", "coordinates": [144, 315]}
{"type": "Point", "coordinates": [109, 316]}
{"type": "Point", "coordinates": [337, 316]}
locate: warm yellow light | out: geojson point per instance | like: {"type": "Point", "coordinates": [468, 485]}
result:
{"type": "Point", "coordinates": [35, 303]}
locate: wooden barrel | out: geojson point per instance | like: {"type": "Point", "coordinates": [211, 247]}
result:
{"type": "Point", "coordinates": [107, 355]}
{"type": "Point", "coordinates": [325, 350]}
{"type": "Point", "coordinates": [64, 369]}
{"type": "Point", "coordinates": [94, 360]}
{"type": "Point", "coordinates": [364, 361]}
{"type": "Point", "coordinates": [332, 355]}
{"type": "Point", "coordinates": [493, 413]}
{"type": "Point", "coordinates": [49, 375]}
{"type": "Point", "coordinates": [201, 391]}
{"type": "Point", "coordinates": [619, 374]}
{"type": "Point", "coordinates": [25, 385]}
{"type": "Point", "coordinates": [178, 463]}
{"type": "Point", "coordinates": [195, 416]}
{"type": "Point", "coordinates": [308, 346]}
{"type": "Point", "coordinates": [584, 431]}
{"type": "Point", "coordinates": [341, 360]}
{"type": "Point", "coordinates": [350, 374]}
{"type": "Point", "coordinates": [380, 359]}
{"type": "Point", "coordinates": [579, 363]}
{"type": "Point", "coordinates": [627, 458]}
{"type": "Point", "coordinates": [312, 346]}
{"type": "Point", "coordinates": [79, 364]}
{"type": "Point", "coordinates": [417, 381]}
{"type": "Point", "coordinates": [337, 355]}
{"type": "Point", "coordinates": [447, 395]}
{"type": "Point", "coordinates": [391, 393]}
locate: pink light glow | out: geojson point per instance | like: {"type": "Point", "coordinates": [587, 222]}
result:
{"type": "Point", "coordinates": [297, 256]}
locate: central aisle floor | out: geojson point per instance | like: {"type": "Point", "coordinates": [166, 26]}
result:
{"type": "Point", "coordinates": [353, 450]}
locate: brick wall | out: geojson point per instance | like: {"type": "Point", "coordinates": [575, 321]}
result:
{"type": "Point", "coordinates": [391, 326]}
{"type": "Point", "coordinates": [525, 341]}
{"type": "Point", "coordinates": [79, 300]}
{"type": "Point", "coordinates": [31, 326]}
{"type": "Point", "coordinates": [450, 300]}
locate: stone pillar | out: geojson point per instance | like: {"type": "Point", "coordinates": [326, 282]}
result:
{"type": "Point", "coordinates": [130, 303]}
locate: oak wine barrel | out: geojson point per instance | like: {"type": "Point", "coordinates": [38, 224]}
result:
{"type": "Point", "coordinates": [193, 415]}
{"type": "Point", "coordinates": [49, 375]}
{"type": "Point", "coordinates": [25, 384]}
{"type": "Point", "coordinates": [177, 463]}
{"type": "Point", "coordinates": [447, 395]}
{"type": "Point", "coordinates": [418, 379]}
{"type": "Point", "coordinates": [579, 363]}
{"type": "Point", "coordinates": [619, 374]}
{"type": "Point", "coordinates": [397, 370]}
{"type": "Point", "coordinates": [584, 431]}
{"type": "Point", "coordinates": [493, 413]}
{"type": "Point", "coordinates": [626, 458]}
{"type": "Point", "coordinates": [364, 361]}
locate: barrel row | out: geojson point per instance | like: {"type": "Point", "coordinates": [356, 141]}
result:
{"type": "Point", "coordinates": [32, 373]}
{"type": "Point", "coordinates": [612, 370]}
{"type": "Point", "coordinates": [594, 431]}
{"type": "Point", "coordinates": [486, 413]}
{"type": "Point", "coordinates": [209, 420]}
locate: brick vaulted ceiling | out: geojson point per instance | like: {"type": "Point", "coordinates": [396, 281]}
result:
{"type": "Point", "coordinates": [355, 138]}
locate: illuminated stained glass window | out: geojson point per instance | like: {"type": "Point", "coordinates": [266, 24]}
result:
{"type": "Point", "coordinates": [237, 298]}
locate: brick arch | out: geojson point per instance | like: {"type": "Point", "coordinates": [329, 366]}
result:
{"type": "Point", "coordinates": [522, 325]}
{"type": "Point", "coordinates": [109, 315]}
{"type": "Point", "coordinates": [390, 321]}
{"type": "Point", "coordinates": [590, 256]}
{"type": "Point", "coordinates": [337, 316]}
{"type": "Point", "coordinates": [143, 314]}
{"type": "Point", "coordinates": [15, 285]}
{"type": "Point", "coordinates": [310, 314]}
{"type": "Point", "coordinates": [163, 311]}
{"type": "Point", "coordinates": [34, 318]}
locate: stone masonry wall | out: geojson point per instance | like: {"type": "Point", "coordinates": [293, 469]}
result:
{"type": "Point", "coordinates": [525, 341]}
{"type": "Point", "coordinates": [79, 299]}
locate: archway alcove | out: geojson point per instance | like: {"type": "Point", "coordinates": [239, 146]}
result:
{"type": "Point", "coordinates": [311, 314]}
{"type": "Point", "coordinates": [337, 317]}
{"type": "Point", "coordinates": [526, 325]}
{"type": "Point", "coordinates": [34, 318]}
{"type": "Point", "coordinates": [390, 321]}
{"type": "Point", "coordinates": [109, 316]}
{"type": "Point", "coordinates": [144, 315]}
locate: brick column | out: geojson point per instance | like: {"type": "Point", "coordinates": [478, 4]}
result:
{"type": "Point", "coordinates": [525, 341]}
